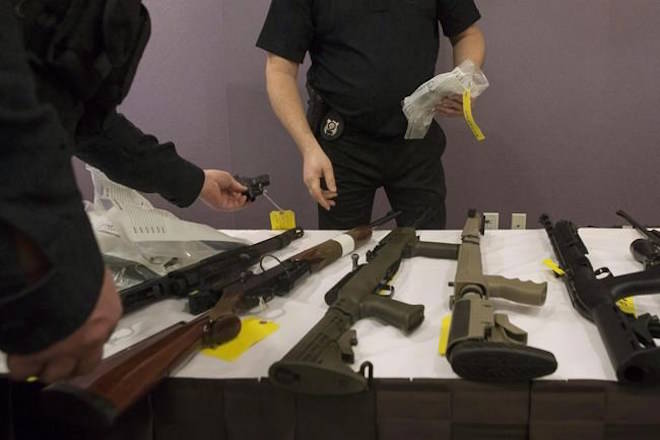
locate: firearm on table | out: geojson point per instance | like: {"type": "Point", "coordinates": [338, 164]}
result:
{"type": "Point", "coordinates": [484, 345]}
{"type": "Point", "coordinates": [629, 340]}
{"type": "Point", "coordinates": [123, 378]}
{"type": "Point", "coordinates": [218, 270]}
{"type": "Point", "coordinates": [645, 250]}
{"type": "Point", "coordinates": [316, 365]}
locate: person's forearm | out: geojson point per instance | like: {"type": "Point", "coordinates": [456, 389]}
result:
{"type": "Point", "coordinates": [287, 104]}
{"type": "Point", "coordinates": [471, 45]}
{"type": "Point", "coordinates": [135, 159]}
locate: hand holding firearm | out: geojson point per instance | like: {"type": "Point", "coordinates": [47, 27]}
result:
{"type": "Point", "coordinates": [645, 250]}
{"type": "Point", "coordinates": [316, 365]}
{"type": "Point", "coordinates": [97, 399]}
{"type": "Point", "coordinates": [484, 345]}
{"type": "Point", "coordinates": [255, 185]}
{"type": "Point", "coordinates": [629, 340]}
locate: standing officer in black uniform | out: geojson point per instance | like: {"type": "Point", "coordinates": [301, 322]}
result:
{"type": "Point", "coordinates": [65, 65]}
{"type": "Point", "coordinates": [367, 55]}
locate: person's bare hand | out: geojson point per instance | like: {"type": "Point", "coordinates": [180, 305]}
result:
{"type": "Point", "coordinates": [222, 192]}
{"type": "Point", "coordinates": [316, 165]}
{"type": "Point", "coordinates": [450, 106]}
{"type": "Point", "coordinates": [81, 351]}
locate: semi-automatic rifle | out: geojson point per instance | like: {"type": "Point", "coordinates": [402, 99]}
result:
{"type": "Point", "coordinates": [98, 398]}
{"type": "Point", "coordinates": [217, 271]}
{"type": "Point", "coordinates": [317, 364]}
{"type": "Point", "coordinates": [629, 340]}
{"type": "Point", "coordinates": [484, 345]}
{"type": "Point", "coordinates": [645, 250]}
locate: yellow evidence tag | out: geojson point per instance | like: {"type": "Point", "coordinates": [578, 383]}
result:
{"type": "Point", "coordinates": [554, 267]}
{"type": "Point", "coordinates": [467, 113]}
{"type": "Point", "coordinates": [282, 220]}
{"type": "Point", "coordinates": [444, 335]}
{"type": "Point", "coordinates": [253, 330]}
{"type": "Point", "coordinates": [627, 305]}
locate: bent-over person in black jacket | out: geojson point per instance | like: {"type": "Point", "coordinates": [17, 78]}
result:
{"type": "Point", "coordinates": [64, 68]}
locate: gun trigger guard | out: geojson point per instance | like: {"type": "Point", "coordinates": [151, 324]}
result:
{"type": "Point", "coordinates": [370, 373]}
{"type": "Point", "coordinates": [601, 271]}
{"type": "Point", "coordinates": [385, 290]}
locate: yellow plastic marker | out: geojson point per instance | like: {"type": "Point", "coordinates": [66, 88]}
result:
{"type": "Point", "coordinates": [444, 335]}
{"type": "Point", "coordinates": [253, 330]}
{"type": "Point", "coordinates": [282, 220]}
{"type": "Point", "coordinates": [467, 113]}
{"type": "Point", "coordinates": [554, 267]}
{"type": "Point", "coordinates": [627, 305]}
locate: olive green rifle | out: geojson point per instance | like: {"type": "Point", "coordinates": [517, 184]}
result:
{"type": "Point", "coordinates": [317, 364]}
{"type": "Point", "coordinates": [484, 345]}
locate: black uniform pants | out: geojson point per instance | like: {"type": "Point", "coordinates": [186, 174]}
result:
{"type": "Point", "coordinates": [410, 172]}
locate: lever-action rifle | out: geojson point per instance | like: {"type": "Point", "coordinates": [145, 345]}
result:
{"type": "Point", "coordinates": [316, 365]}
{"type": "Point", "coordinates": [97, 399]}
{"type": "Point", "coordinates": [218, 270]}
{"type": "Point", "coordinates": [629, 340]}
{"type": "Point", "coordinates": [484, 345]}
{"type": "Point", "coordinates": [645, 250]}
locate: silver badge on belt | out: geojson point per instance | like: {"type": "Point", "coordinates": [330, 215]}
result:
{"type": "Point", "coordinates": [332, 126]}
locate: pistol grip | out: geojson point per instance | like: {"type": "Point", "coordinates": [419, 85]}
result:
{"type": "Point", "coordinates": [405, 317]}
{"type": "Point", "coordinates": [523, 292]}
{"type": "Point", "coordinates": [496, 361]}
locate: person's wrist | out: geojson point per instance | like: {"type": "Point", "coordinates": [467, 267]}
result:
{"type": "Point", "coordinates": [309, 145]}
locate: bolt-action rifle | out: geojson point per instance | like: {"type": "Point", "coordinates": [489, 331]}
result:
{"type": "Point", "coordinates": [316, 365]}
{"type": "Point", "coordinates": [98, 398]}
{"type": "Point", "coordinates": [645, 250]}
{"type": "Point", "coordinates": [629, 340]}
{"type": "Point", "coordinates": [484, 345]}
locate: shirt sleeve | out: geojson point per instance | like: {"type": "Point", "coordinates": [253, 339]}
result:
{"type": "Point", "coordinates": [128, 156]}
{"type": "Point", "coordinates": [457, 15]}
{"type": "Point", "coordinates": [288, 30]}
{"type": "Point", "coordinates": [40, 201]}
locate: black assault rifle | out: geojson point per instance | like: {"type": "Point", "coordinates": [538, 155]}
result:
{"type": "Point", "coordinates": [629, 340]}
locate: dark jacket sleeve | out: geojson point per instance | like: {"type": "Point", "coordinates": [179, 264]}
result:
{"type": "Point", "coordinates": [457, 15]}
{"type": "Point", "coordinates": [137, 160]}
{"type": "Point", "coordinates": [39, 198]}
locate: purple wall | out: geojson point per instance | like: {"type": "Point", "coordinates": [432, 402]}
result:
{"type": "Point", "coordinates": [570, 118]}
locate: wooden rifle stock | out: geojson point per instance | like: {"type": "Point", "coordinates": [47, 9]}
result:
{"type": "Point", "coordinates": [97, 399]}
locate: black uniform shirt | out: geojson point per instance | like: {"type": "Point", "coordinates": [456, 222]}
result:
{"type": "Point", "coordinates": [40, 199]}
{"type": "Point", "coordinates": [367, 55]}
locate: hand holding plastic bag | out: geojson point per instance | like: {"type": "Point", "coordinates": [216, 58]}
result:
{"type": "Point", "coordinates": [419, 106]}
